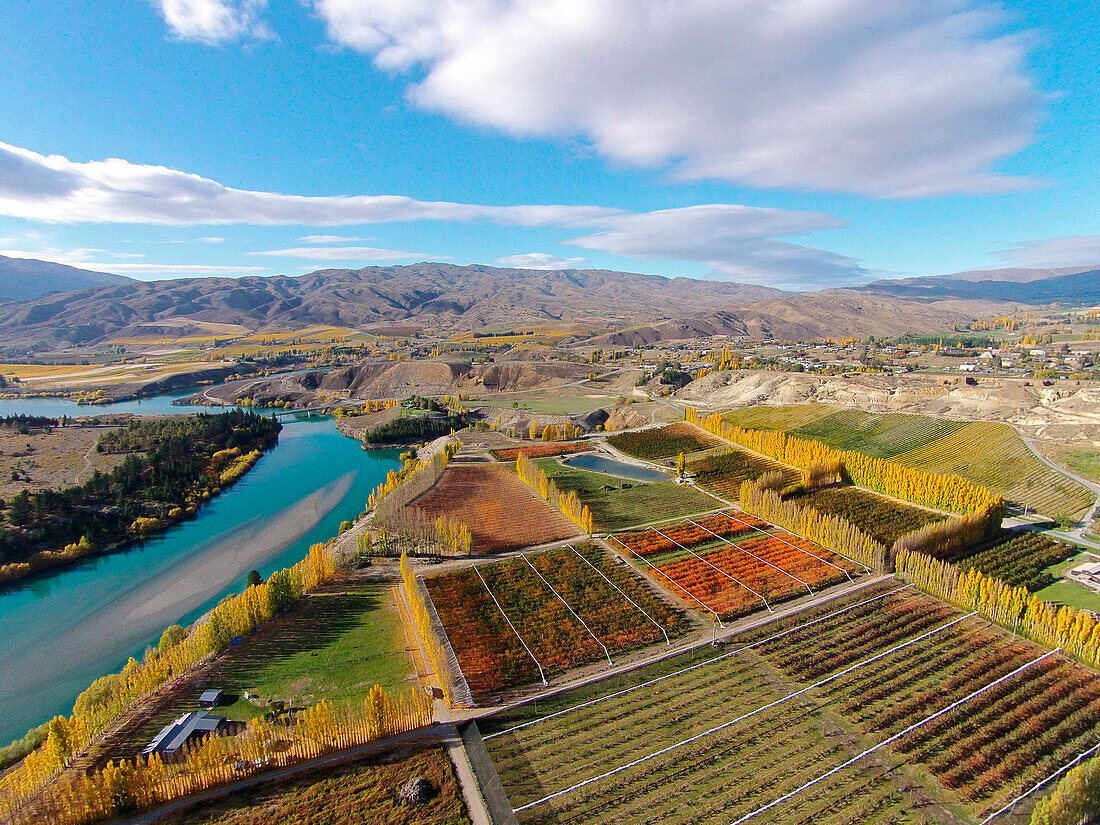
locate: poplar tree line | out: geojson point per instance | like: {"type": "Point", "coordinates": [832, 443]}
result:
{"type": "Point", "coordinates": [1074, 631]}
{"type": "Point", "coordinates": [128, 786]}
{"type": "Point", "coordinates": [423, 619]}
{"type": "Point", "coordinates": [179, 650]}
{"type": "Point", "coordinates": [402, 486]}
{"type": "Point", "coordinates": [569, 504]}
{"type": "Point", "coordinates": [947, 492]}
{"type": "Point", "coordinates": [1075, 799]}
{"type": "Point", "coordinates": [832, 532]}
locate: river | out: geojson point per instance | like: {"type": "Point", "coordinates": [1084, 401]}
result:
{"type": "Point", "coordinates": [60, 631]}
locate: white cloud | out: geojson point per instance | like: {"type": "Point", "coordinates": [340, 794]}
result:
{"type": "Point", "coordinates": [174, 269]}
{"type": "Point", "coordinates": [540, 260]}
{"type": "Point", "coordinates": [907, 98]}
{"type": "Point", "coordinates": [734, 240]}
{"type": "Point", "coordinates": [738, 242]}
{"type": "Point", "coordinates": [215, 21]}
{"type": "Point", "coordinates": [212, 239]}
{"type": "Point", "coordinates": [54, 189]}
{"type": "Point", "coordinates": [330, 239]}
{"type": "Point", "coordinates": [342, 253]}
{"type": "Point", "coordinates": [1079, 250]}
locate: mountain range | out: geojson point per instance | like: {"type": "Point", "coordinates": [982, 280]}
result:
{"type": "Point", "coordinates": [25, 278]}
{"type": "Point", "coordinates": [636, 308]}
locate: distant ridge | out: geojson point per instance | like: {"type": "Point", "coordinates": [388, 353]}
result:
{"type": "Point", "coordinates": [25, 278]}
{"type": "Point", "coordinates": [1078, 287]}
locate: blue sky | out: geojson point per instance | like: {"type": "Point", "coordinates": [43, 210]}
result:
{"type": "Point", "coordinates": [798, 143]}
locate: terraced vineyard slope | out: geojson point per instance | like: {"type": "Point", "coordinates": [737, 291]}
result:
{"type": "Point", "coordinates": [987, 453]}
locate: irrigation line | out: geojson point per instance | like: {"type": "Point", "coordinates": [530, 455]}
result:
{"type": "Point", "coordinates": [505, 615]}
{"type": "Point", "coordinates": [803, 549]}
{"type": "Point", "coordinates": [717, 618]}
{"type": "Point", "coordinates": [893, 738]}
{"type": "Point", "coordinates": [748, 715]}
{"type": "Point", "coordinates": [570, 609]}
{"type": "Point", "coordinates": [729, 576]}
{"type": "Point", "coordinates": [1040, 784]}
{"type": "Point", "coordinates": [750, 553]}
{"type": "Point", "coordinates": [621, 593]}
{"type": "Point", "coordinates": [697, 665]}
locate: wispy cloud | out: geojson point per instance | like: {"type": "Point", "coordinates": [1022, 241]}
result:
{"type": "Point", "coordinates": [907, 98]}
{"type": "Point", "coordinates": [216, 21]}
{"type": "Point", "coordinates": [343, 253]}
{"type": "Point", "coordinates": [1077, 250]}
{"type": "Point", "coordinates": [330, 239]}
{"type": "Point", "coordinates": [735, 241]}
{"type": "Point", "coordinates": [540, 260]}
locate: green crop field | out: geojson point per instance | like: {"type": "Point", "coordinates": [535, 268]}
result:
{"type": "Point", "coordinates": [618, 508]}
{"type": "Point", "coordinates": [1021, 559]}
{"type": "Point", "coordinates": [882, 518]}
{"type": "Point", "coordinates": [779, 731]}
{"type": "Point", "coordinates": [994, 455]}
{"type": "Point", "coordinates": [723, 472]}
{"type": "Point", "coordinates": [363, 793]}
{"type": "Point", "coordinates": [664, 442]}
{"type": "Point", "coordinates": [778, 417]}
{"type": "Point", "coordinates": [881, 435]}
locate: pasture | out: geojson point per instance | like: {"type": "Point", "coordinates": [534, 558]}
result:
{"type": "Point", "coordinates": [620, 506]}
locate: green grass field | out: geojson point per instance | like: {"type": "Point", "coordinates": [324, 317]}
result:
{"type": "Point", "coordinates": [1083, 462]}
{"type": "Point", "coordinates": [1067, 592]}
{"type": "Point", "coordinates": [363, 793]}
{"type": "Point", "coordinates": [619, 508]}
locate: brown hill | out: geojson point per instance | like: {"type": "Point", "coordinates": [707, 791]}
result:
{"type": "Point", "coordinates": [462, 297]}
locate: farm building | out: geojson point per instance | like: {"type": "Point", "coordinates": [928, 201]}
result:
{"type": "Point", "coordinates": [174, 736]}
{"type": "Point", "coordinates": [211, 698]}
{"type": "Point", "coordinates": [1087, 574]}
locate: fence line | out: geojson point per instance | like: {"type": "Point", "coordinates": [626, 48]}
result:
{"type": "Point", "coordinates": [706, 607]}
{"type": "Point", "coordinates": [802, 549]}
{"type": "Point", "coordinates": [893, 738]}
{"type": "Point", "coordinates": [729, 576]}
{"type": "Point", "coordinates": [621, 593]}
{"type": "Point", "coordinates": [750, 553]}
{"type": "Point", "coordinates": [748, 715]}
{"type": "Point", "coordinates": [1040, 784]}
{"type": "Point", "coordinates": [570, 609]}
{"type": "Point", "coordinates": [697, 665]}
{"type": "Point", "coordinates": [542, 674]}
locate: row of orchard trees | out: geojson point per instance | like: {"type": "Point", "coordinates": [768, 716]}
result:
{"type": "Point", "coordinates": [568, 503]}
{"type": "Point", "coordinates": [438, 654]}
{"type": "Point", "coordinates": [833, 532]}
{"type": "Point", "coordinates": [948, 492]}
{"type": "Point", "coordinates": [128, 786]}
{"type": "Point", "coordinates": [416, 477]}
{"type": "Point", "coordinates": [178, 650]}
{"type": "Point", "coordinates": [1074, 631]}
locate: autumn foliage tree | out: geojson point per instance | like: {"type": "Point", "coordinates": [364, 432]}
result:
{"type": "Point", "coordinates": [569, 504]}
